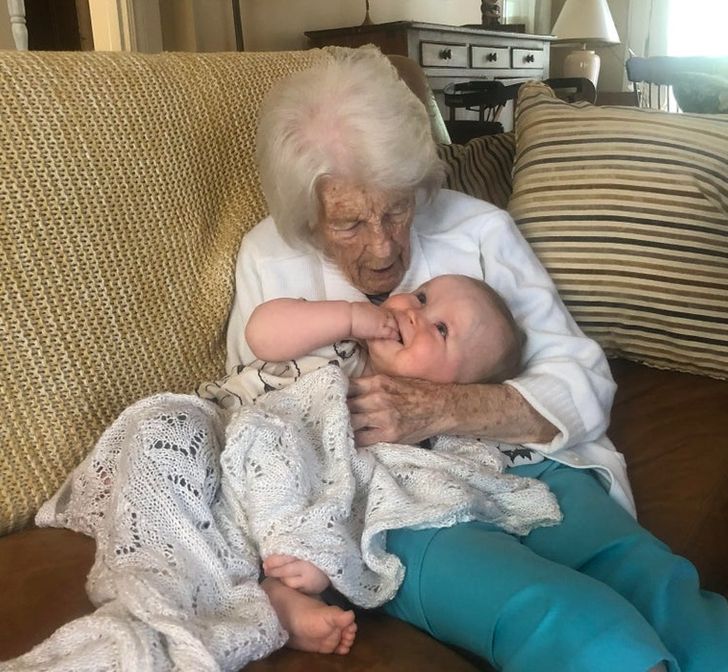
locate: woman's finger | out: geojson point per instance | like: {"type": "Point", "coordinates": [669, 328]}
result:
{"type": "Point", "coordinates": [358, 386]}
{"type": "Point", "coordinates": [368, 437]}
{"type": "Point", "coordinates": [373, 432]}
{"type": "Point", "coordinates": [363, 419]}
{"type": "Point", "coordinates": [365, 402]}
{"type": "Point", "coordinates": [396, 410]}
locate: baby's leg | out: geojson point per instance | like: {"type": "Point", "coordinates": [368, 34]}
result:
{"type": "Point", "coordinates": [311, 624]}
{"type": "Point", "coordinates": [295, 573]}
{"type": "Point", "coordinates": [523, 612]}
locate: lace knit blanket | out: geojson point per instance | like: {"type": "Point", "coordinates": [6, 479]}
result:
{"type": "Point", "coordinates": [184, 498]}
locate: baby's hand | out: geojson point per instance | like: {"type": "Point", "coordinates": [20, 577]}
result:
{"type": "Point", "coordinates": [370, 321]}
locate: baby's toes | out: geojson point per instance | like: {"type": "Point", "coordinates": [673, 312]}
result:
{"type": "Point", "coordinates": [277, 560]}
{"type": "Point", "coordinates": [348, 634]}
{"type": "Point", "coordinates": [295, 581]}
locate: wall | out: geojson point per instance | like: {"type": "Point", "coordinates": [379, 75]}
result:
{"type": "Point", "coordinates": [207, 25]}
{"type": "Point", "coordinates": [535, 14]}
{"type": "Point", "coordinates": [191, 25]}
{"type": "Point", "coordinates": [280, 24]}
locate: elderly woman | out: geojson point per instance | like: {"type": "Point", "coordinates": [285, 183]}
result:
{"type": "Point", "coordinates": [351, 177]}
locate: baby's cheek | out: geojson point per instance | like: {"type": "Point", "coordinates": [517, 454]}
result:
{"type": "Point", "coordinates": [424, 362]}
{"type": "Point", "coordinates": [449, 372]}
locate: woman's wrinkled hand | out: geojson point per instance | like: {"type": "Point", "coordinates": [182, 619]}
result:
{"type": "Point", "coordinates": [396, 410]}
{"type": "Point", "coordinates": [370, 321]}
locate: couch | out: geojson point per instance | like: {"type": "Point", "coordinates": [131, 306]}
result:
{"type": "Point", "coordinates": [126, 183]}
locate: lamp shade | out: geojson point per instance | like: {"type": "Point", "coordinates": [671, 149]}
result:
{"type": "Point", "coordinates": [587, 21]}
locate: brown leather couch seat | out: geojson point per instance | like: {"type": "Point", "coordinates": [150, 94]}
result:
{"type": "Point", "coordinates": [672, 428]}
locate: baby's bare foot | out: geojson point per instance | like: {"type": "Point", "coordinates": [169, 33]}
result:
{"type": "Point", "coordinates": [295, 573]}
{"type": "Point", "coordinates": [311, 624]}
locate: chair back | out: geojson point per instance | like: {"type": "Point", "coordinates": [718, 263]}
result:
{"type": "Point", "coordinates": [573, 89]}
{"type": "Point", "coordinates": [654, 77]}
{"type": "Point", "coordinates": [489, 97]}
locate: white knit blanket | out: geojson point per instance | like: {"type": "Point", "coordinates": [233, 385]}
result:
{"type": "Point", "coordinates": [184, 499]}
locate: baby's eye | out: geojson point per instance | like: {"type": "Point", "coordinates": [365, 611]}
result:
{"type": "Point", "coordinates": [420, 296]}
{"type": "Point", "coordinates": [442, 328]}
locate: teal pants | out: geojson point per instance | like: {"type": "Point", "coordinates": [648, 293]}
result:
{"type": "Point", "coordinates": [597, 592]}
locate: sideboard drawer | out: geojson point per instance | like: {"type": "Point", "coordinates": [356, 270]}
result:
{"type": "Point", "coordinates": [434, 54]}
{"type": "Point", "coordinates": [490, 57]}
{"type": "Point", "coordinates": [528, 58]}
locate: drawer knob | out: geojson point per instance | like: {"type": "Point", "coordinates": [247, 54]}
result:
{"type": "Point", "coordinates": [530, 58]}
{"type": "Point", "coordinates": [446, 54]}
{"type": "Point", "coordinates": [491, 57]}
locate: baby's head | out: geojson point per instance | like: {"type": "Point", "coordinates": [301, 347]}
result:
{"type": "Point", "coordinates": [452, 329]}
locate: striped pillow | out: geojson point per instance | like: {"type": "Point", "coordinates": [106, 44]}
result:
{"type": "Point", "coordinates": [482, 167]}
{"type": "Point", "coordinates": [628, 210]}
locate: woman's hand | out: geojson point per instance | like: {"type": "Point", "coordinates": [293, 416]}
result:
{"type": "Point", "coordinates": [370, 321]}
{"type": "Point", "coordinates": [405, 410]}
{"type": "Point", "coordinates": [396, 410]}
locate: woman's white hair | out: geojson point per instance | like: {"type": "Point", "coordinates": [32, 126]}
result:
{"type": "Point", "coordinates": [352, 118]}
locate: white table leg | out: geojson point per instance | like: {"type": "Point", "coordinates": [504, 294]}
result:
{"type": "Point", "coordinates": [16, 8]}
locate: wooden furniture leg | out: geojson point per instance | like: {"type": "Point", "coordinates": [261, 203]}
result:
{"type": "Point", "coordinates": [16, 8]}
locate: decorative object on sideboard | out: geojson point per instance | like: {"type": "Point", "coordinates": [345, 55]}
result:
{"type": "Point", "coordinates": [491, 13]}
{"type": "Point", "coordinates": [367, 19]}
{"type": "Point", "coordinates": [589, 23]}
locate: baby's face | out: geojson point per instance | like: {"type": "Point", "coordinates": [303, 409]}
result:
{"type": "Point", "coordinates": [450, 331]}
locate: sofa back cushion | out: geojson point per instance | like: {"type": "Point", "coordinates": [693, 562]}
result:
{"type": "Point", "coordinates": [481, 167]}
{"type": "Point", "coordinates": [628, 210]}
{"type": "Point", "coordinates": [126, 183]}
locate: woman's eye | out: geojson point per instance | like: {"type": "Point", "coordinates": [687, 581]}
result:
{"type": "Point", "coordinates": [346, 227]}
{"type": "Point", "coordinates": [442, 328]}
{"type": "Point", "coordinates": [395, 214]}
{"type": "Point", "coordinates": [420, 296]}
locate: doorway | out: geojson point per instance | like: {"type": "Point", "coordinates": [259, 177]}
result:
{"type": "Point", "coordinates": [59, 25]}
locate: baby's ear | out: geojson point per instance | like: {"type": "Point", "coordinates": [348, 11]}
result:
{"type": "Point", "coordinates": [522, 337]}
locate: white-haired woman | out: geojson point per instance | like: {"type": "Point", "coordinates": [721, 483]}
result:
{"type": "Point", "coordinates": [351, 176]}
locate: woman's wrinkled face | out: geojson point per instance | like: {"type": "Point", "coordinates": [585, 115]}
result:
{"type": "Point", "coordinates": [366, 232]}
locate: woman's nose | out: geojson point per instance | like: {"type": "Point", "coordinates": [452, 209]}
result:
{"type": "Point", "coordinates": [380, 240]}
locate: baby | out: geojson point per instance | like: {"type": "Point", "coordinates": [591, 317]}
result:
{"type": "Point", "coordinates": [451, 329]}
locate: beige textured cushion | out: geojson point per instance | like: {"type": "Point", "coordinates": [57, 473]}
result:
{"type": "Point", "coordinates": [628, 210]}
{"type": "Point", "coordinates": [126, 183]}
{"type": "Point", "coordinates": [481, 167]}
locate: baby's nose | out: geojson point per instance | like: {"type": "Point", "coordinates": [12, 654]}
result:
{"type": "Point", "coordinates": [412, 314]}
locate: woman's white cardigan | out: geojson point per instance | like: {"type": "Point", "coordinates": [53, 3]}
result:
{"type": "Point", "coordinates": [566, 377]}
